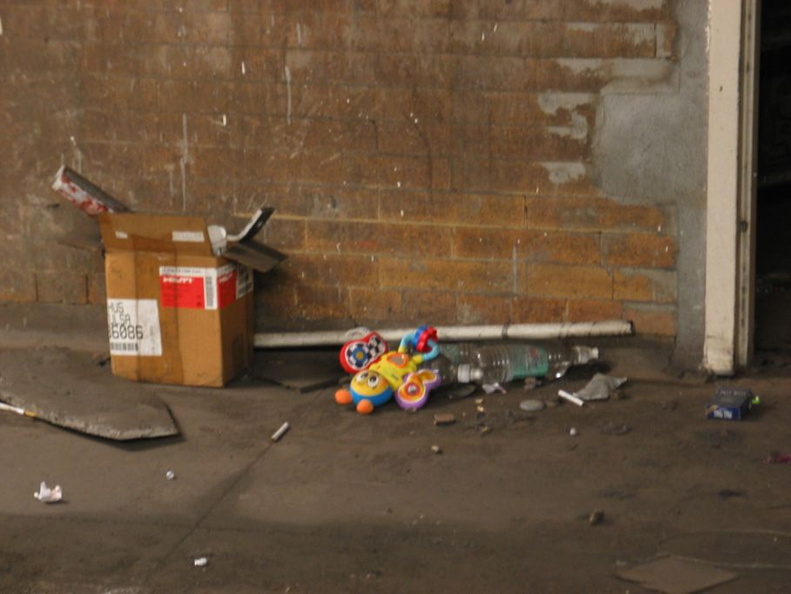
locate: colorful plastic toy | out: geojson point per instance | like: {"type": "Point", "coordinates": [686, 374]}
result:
{"type": "Point", "coordinates": [413, 393]}
{"type": "Point", "coordinates": [357, 355]}
{"type": "Point", "coordinates": [393, 373]}
{"type": "Point", "coordinates": [423, 340]}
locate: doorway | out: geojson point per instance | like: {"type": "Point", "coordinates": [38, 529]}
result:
{"type": "Point", "coordinates": [773, 194]}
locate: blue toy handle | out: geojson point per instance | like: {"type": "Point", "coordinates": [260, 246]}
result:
{"type": "Point", "coordinates": [434, 352]}
{"type": "Point", "coordinates": [417, 341]}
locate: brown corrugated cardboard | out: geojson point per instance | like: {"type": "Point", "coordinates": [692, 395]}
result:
{"type": "Point", "coordinates": [177, 313]}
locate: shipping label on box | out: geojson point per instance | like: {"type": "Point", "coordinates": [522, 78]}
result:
{"type": "Point", "coordinates": [133, 326]}
{"type": "Point", "coordinates": [203, 288]}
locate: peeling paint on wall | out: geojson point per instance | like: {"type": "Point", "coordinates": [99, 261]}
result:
{"type": "Point", "coordinates": [636, 4]}
{"type": "Point", "coordinates": [550, 103]}
{"type": "Point", "coordinates": [183, 162]}
{"type": "Point", "coordinates": [287, 75]}
{"type": "Point", "coordinates": [581, 27]}
{"type": "Point", "coordinates": [77, 155]}
{"type": "Point", "coordinates": [564, 173]}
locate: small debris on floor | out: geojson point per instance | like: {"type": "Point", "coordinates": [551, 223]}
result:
{"type": "Point", "coordinates": [46, 494]}
{"type": "Point", "coordinates": [498, 419]}
{"type": "Point", "coordinates": [730, 494]}
{"type": "Point", "coordinates": [436, 449]}
{"type": "Point", "coordinates": [610, 428]}
{"type": "Point", "coordinates": [280, 432]}
{"type": "Point", "coordinates": [596, 517]}
{"type": "Point", "coordinates": [531, 405]}
{"type": "Point", "coordinates": [170, 475]}
{"type": "Point", "coordinates": [570, 397]}
{"type": "Point", "coordinates": [620, 394]}
{"type": "Point", "coordinates": [731, 403]}
{"type": "Point", "coordinates": [201, 562]}
{"type": "Point", "coordinates": [444, 418]}
{"type": "Point", "coordinates": [493, 388]}
{"type": "Point", "coordinates": [573, 432]}
{"type": "Point", "coordinates": [600, 387]}
{"type": "Point", "coordinates": [551, 401]}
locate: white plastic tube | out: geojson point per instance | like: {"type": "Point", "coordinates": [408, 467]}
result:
{"type": "Point", "coordinates": [453, 333]}
{"type": "Point", "coordinates": [8, 407]}
{"type": "Point", "coordinates": [570, 397]}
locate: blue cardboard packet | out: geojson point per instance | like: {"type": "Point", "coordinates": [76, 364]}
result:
{"type": "Point", "coordinates": [731, 403]}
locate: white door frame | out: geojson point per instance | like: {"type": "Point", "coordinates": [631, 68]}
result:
{"type": "Point", "coordinates": [730, 205]}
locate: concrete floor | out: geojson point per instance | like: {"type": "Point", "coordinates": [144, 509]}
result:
{"type": "Point", "coordinates": [349, 503]}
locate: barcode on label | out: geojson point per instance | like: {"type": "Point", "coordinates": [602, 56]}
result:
{"type": "Point", "coordinates": [124, 347]}
{"type": "Point", "coordinates": [210, 291]}
{"type": "Point", "coordinates": [244, 281]}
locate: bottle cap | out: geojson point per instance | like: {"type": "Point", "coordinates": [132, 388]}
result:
{"type": "Point", "coordinates": [585, 354]}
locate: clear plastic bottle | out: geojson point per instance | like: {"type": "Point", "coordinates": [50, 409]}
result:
{"type": "Point", "coordinates": [457, 352]}
{"type": "Point", "coordinates": [501, 363]}
{"type": "Point", "coordinates": [448, 367]}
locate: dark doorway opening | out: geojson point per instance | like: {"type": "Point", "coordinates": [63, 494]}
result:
{"type": "Point", "coordinates": [773, 216]}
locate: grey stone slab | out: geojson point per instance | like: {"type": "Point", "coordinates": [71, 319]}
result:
{"type": "Point", "coordinates": [302, 370]}
{"type": "Point", "coordinates": [76, 390]}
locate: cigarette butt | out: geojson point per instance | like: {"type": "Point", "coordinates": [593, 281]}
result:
{"type": "Point", "coordinates": [571, 398]}
{"type": "Point", "coordinates": [18, 410]}
{"type": "Point", "coordinates": [280, 432]}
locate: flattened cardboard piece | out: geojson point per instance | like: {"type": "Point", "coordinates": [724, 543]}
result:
{"type": "Point", "coordinates": [301, 370]}
{"type": "Point", "coordinates": [676, 576]}
{"type": "Point", "coordinates": [256, 223]}
{"type": "Point", "coordinates": [72, 389]}
{"type": "Point", "coordinates": [255, 255]}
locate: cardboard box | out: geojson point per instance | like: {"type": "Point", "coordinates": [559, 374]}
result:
{"type": "Point", "coordinates": [177, 313]}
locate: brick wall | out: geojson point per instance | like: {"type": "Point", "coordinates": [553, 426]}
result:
{"type": "Point", "coordinates": [430, 161]}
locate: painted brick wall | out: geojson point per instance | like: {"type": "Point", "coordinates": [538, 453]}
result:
{"type": "Point", "coordinates": [430, 161]}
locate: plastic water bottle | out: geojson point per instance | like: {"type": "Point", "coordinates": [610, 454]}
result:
{"type": "Point", "coordinates": [501, 363]}
{"type": "Point", "coordinates": [449, 368]}
{"type": "Point", "coordinates": [458, 352]}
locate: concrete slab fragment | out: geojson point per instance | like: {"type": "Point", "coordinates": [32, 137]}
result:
{"type": "Point", "coordinates": [73, 389]}
{"type": "Point", "coordinates": [676, 576]}
{"type": "Point", "coordinates": [302, 370]}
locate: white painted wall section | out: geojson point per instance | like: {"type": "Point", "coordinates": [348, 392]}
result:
{"type": "Point", "coordinates": [725, 26]}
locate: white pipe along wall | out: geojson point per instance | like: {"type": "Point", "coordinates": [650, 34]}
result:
{"type": "Point", "coordinates": [451, 333]}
